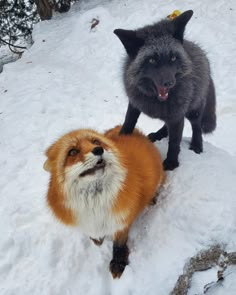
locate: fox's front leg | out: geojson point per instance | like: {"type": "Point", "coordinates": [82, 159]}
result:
{"type": "Point", "coordinates": [175, 130]}
{"type": "Point", "coordinates": [131, 119]}
{"type": "Point", "coordinates": [120, 253]}
{"type": "Point", "coordinates": [161, 133]}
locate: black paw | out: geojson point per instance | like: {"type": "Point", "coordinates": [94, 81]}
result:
{"type": "Point", "coordinates": [117, 267]}
{"type": "Point", "coordinates": [170, 164]}
{"type": "Point", "coordinates": [197, 148]}
{"type": "Point", "coordinates": [152, 137]}
{"type": "Point", "coordinates": [155, 136]}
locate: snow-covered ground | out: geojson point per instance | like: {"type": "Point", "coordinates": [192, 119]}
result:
{"type": "Point", "coordinates": [6, 56]}
{"type": "Point", "coordinates": [71, 78]}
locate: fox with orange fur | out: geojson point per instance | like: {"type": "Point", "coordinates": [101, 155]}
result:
{"type": "Point", "coordinates": [101, 183]}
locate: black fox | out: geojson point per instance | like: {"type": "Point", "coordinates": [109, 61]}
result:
{"type": "Point", "coordinates": [169, 78]}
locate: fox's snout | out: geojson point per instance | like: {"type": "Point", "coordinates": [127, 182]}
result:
{"type": "Point", "coordinates": [164, 78]}
{"type": "Point", "coordinates": [169, 83]}
{"type": "Point", "coordinates": [98, 151]}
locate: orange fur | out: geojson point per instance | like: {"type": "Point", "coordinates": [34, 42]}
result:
{"type": "Point", "coordinates": [137, 154]}
{"type": "Point", "coordinates": [145, 172]}
{"type": "Point", "coordinates": [136, 178]}
{"type": "Point", "coordinates": [55, 164]}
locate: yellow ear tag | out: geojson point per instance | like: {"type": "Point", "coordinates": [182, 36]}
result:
{"type": "Point", "coordinates": [174, 14]}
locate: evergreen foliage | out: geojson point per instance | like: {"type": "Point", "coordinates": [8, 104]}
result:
{"type": "Point", "coordinates": [17, 17]}
{"type": "Point", "coordinates": [16, 20]}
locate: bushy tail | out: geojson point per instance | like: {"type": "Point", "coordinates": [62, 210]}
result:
{"type": "Point", "coordinates": [209, 115]}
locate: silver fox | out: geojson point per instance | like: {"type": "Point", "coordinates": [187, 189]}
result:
{"type": "Point", "coordinates": [168, 77]}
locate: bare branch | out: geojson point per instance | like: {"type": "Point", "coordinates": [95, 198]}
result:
{"type": "Point", "coordinates": [215, 256]}
{"type": "Point", "coordinates": [12, 45]}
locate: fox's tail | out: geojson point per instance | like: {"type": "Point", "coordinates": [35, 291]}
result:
{"type": "Point", "coordinates": [209, 115]}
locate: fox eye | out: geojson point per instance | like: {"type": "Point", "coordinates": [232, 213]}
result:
{"type": "Point", "coordinates": [96, 142]}
{"type": "Point", "coordinates": [73, 152]}
{"type": "Point", "coordinates": [152, 61]}
{"type": "Point", "coordinates": [173, 58]}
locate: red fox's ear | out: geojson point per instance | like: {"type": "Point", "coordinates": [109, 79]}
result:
{"type": "Point", "coordinates": [47, 166]}
{"type": "Point", "coordinates": [50, 155]}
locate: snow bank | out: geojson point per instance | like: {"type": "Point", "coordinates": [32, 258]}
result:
{"type": "Point", "coordinates": [195, 210]}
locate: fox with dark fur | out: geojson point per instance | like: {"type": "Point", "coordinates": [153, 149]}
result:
{"type": "Point", "coordinates": [168, 77]}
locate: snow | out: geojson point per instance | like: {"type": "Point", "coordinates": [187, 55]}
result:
{"type": "Point", "coordinates": [6, 56]}
{"type": "Point", "coordinates": [71, 78]}
{"type": "Point", "coordinates": [226, 286]}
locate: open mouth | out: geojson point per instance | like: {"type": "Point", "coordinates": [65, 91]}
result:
{"type": "Point", "coordinates": [100, 165]}
{"type": "Point", "coordinates": [163, 93]}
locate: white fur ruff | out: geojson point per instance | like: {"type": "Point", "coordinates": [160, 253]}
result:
{"type": "Point", "coordinates": [91, 197]}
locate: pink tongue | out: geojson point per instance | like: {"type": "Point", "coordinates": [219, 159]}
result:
{"type": "Point", "coordinates": [163, 92]}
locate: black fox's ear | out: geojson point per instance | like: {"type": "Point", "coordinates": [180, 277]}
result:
{"type": "Point", "coordinates": [131, 42]}
{"type": "Point", "coordinates": [180, 23]}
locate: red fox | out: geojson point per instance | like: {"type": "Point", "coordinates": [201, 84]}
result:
{"type": "Point", "coordinates": [101, 183]}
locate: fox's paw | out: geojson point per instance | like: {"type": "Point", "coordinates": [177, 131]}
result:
{"type": "Point", "coordinates": [117, 267]}
{"type": "Point", "coordinates": [170, 164]}
{"type": "Point", "coordinates": [161, 133]}
{"type": "Point", "coordinates": [152, 137]}
{"type": "Point", "coordinates": [197, 148]}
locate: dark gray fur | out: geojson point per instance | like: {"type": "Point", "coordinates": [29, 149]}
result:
{"type": "Point", "coordinates": [190, 87]}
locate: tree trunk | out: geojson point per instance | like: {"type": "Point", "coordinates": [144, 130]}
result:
{"type": "Point", "coordinates": [44, 9]}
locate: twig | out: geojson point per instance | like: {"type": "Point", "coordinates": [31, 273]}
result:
{"type": "Point", "coordinates": [203, 261]}
{"type": "Point", "coordinates": [9, 44]}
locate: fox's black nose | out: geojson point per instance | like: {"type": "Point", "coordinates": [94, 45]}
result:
{"type": "Point", "coordinates": [168, 84]}
{"type": "Point", "coordinates": [98, 151]}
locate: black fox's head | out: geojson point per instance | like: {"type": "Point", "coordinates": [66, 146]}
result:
{"type": "Point", "coordinates": [156, 55]}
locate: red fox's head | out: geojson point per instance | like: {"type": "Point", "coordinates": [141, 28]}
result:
{"type": "Point", "coordinates": [81, 154]}
{"type": "Point", "coordinates": [82, 164]}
